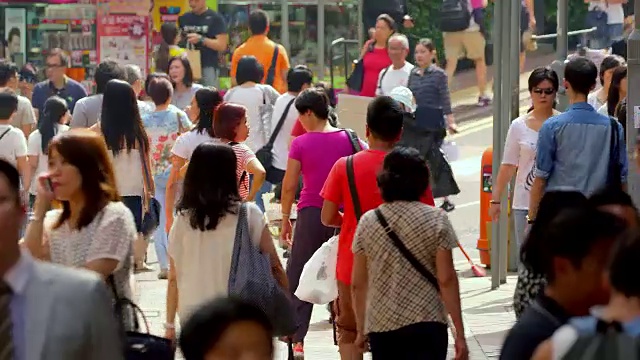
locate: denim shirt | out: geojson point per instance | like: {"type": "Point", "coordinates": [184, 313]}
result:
{"type": "Point", "coordinates": [573, 150]}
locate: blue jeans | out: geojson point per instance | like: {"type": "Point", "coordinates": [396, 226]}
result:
{"type": "Point", "coordinates": [210, 77]}
{"type": "Point", "coordinates": [265, 188]}
{"type": "Point", "coordinates": [160, 238]}
{"type": "Point", "coordinates": [520, 225]}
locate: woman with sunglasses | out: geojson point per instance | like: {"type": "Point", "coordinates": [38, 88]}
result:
{"type": "Point", "coordinates": [520, 149]}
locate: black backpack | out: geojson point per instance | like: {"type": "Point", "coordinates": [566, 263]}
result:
{"type": "Point", "coordinates": [454, 15]}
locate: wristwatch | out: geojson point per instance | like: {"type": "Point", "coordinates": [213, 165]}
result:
{"type": "Point", "coordinates": [529, 219]}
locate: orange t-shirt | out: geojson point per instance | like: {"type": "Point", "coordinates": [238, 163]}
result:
{"type": "Point", "coordinates": [262, 48]}
{"type": "Point", "coordinates": [366, 165]}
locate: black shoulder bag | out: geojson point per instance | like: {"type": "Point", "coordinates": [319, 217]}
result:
{"type": "Point", "coordinates": [265, 153]}
{"type": "Point", "coordinates": [244, 173]}
{"type": "Point", "coordinates": [271, 73]}
{"type": "Point", "coordinates": [382, 75]}
{"type": "Point", "coordinates": [351, 178]}
{"type": "Point", "coordinates": [614, 172]}
{"type": "Point", "coordinates": [406, 253]}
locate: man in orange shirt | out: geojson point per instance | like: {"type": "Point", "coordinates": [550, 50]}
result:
{"type": "Point", "coordinates": [384, 128]}
{"type": "Point", "coordinates": [272, 56]}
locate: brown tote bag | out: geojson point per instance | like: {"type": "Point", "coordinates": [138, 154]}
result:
{"type": "Point", "coordinates": [193, 55]}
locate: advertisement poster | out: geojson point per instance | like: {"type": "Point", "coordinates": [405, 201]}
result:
{"type": "Point", "coordinates": [15, 32]}
{"type": "Point", "coordinates": [123, 38]}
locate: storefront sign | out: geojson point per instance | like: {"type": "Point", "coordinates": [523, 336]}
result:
{"type": "Point", "coordinates": [123, 38]}
{"type": "Point", "coordinates": [168, 11]}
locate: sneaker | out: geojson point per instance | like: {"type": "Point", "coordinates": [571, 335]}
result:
{"type": "Point", "coordinates": [298, 351]}
{"type": "Point", "coordinates": [142, 268]}
{"type": "Point", "coordinates": [163, 274]}
{"type": "Point", "coordinates": [483, 101]}
{"type": "Point", "coordinates": [447, 206]}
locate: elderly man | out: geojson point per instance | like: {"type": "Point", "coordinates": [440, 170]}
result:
{"type": "Point", "coordinates": [136, 80]}
{"type": "Point", "coordinates": [397, 74]}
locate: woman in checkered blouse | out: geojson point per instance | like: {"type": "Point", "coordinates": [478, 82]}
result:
{"type": "Point", "coordinates": [409, 308]}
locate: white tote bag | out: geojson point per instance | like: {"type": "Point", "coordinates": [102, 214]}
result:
{"type": "Point", "coordinates": [451, 151]}
{"type": "Point", "coordinates": [318, 283]}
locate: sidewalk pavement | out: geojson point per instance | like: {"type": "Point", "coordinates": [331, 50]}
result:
{"type": "Point", "coordinates": [487, 315]}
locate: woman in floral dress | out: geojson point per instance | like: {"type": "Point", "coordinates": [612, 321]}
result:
{"type": "Point", "coordinates": [163, 127]}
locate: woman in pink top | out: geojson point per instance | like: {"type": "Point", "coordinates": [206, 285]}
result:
{"type": "Point", "coordinates": [312, 155]}
{"type": "Point", "coordinates": [374, 55]}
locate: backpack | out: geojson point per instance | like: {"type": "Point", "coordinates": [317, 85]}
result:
{"type": "Point", "coordinates": [601, 340]}
{"type": "Point", "coordinates": [454, 15]}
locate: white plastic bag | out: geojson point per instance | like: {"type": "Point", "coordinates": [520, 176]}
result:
{"type": "Point", "coordinates": [451, 151]}
{"type": "Point", "coordinates": [318, 283]}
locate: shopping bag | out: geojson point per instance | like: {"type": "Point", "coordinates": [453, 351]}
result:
{"type": "Point", "coordinates": [451, 151]}
{"type": "Point", "coordinates": [318, 284]}
{"type": "Point", "coordinates": [193, 56]}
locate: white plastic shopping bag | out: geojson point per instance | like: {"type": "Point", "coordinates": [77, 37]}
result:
{"type": "Point", "coordinates": [318, 283]}
{"type": "Point", "coordinates": [451, 151]}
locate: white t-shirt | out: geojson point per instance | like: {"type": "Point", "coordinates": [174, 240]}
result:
{"type": "Point", "coordinates": [615, 12]}
{"type": "Point", "coordinates": [34, 148]}
{"type": "Point", "coordinates": [13, 144]}
{"type": "Point", "coordinates": [203, 258]}
{"type": "Point", "coordinates": [594, 99]}
{"type": "Point", "coordinates": [281, 143]}
{"type": "Point", "coordinates": [604, 109]}
{"type": "Point", "coordinates": [189, 141]}
{"type": "Point", "coordinates": [393, 78]}
{"type": "Point", "coordinates": [520, 151]}
{"type": "Point", "coordinates": [253, 98]}
{"type": "Point", "coordinates": [127, 167]}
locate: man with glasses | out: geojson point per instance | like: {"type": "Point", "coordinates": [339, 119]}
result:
{"type": "Point", "coordinates": [57, 83]}
{"type": "Point", "coordinates": [24, 118]}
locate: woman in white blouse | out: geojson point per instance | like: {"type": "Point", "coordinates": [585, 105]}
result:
{"type": "Point", "coordinates": [617, 91]}
{"type": "Point", "coordinates": [520, 149]}
{"type": "Point", "coordinates": [202, 237]}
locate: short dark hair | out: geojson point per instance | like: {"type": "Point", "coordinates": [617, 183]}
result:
{"type": "Point", "coordinates": [188, 72]}
{"type": "Point", "coordinates": [160, 90]}
{"type": "Point", "coordinates": [623, 266]}
{"type": "Point", "coordinates": [314, 100]}
{"type": "Point", "coordinates": [106, 71]}
{"type": "Point", "coordinates": [581, 73]}
{"type": "Point", "coordinates": [249, 69]}
{"type": "Point", "coordinates": [298, 77]}
{"type": "Point", "coordinates": [574, 233]}
{"type": "Point", "coordinates": [387, 19]}
{"type": "Point", "coordinates": [204, 328]}
{"type": "Point", "coordinates": [608, 63]}
{"type": "Point", "coordinates": [541, 74]}
{"type": "Point", "coordinates": [385, 118]}
{"type": "Point", "coordinates": [8, 70]}
{"type": "Point", "coordinates": [8, 104]}
{"type": "Point", "coordinates": [404, 175]}
{"type": "Point", "coordinates": [152, 76]}
{"type": "Point", "coordinates": [13, 32]}
{"type": "Point", "coordinates": [61, 54]}
{"type": "Point", "coordinates": [258, 22]}
{"type": "Point", "coordinates": [12, 175]}
{"type": "Point", "coordinates": [610, 196]}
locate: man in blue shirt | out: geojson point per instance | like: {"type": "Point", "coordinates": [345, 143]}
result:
{"type": "Point", "coordinates": [58, 83]}
{"type": "Point", "coordinates": [574, 148]}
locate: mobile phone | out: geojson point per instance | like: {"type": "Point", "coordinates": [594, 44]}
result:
{"type": "Point", "coordinates": [49, 184]}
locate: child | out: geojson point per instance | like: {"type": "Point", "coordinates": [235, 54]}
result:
{"type": "Point", "coordinates": [13, 144]}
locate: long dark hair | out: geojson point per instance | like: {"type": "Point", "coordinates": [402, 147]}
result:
{"type": "Point", "coordinates": [120, 120]}
{"type": "Point", "coordinates": [208, 100]}
{"type": "Point", "coordinates": [206, 199]}
{"type": "Point", "coordinates": [188, 72]}
{"type": "Point", "coordinates": [613, 98]}
{"type": "Point", "coordinates": [54, 109]}
{"type": "Point", "coordinates": [169, 33]}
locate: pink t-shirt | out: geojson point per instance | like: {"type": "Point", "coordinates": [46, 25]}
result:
{"type": "Point", "coordinates": [244, 155]}
{"type": "Point", "coordinates": [477, 4]}
{"type": "Point", "coordinates": [317, 152]}
{"type": "Point", "coordinates": [374, 62]}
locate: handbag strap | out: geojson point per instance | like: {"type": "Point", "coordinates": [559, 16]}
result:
{"type": "Point", "coordinates": [614, 168]}
{"type": "Point", "coordinates": [406, 252]}
{"type": "Point", "coordinates": [384, 72]}
{"type": "Point", "coordinates": [271, 73]}
{"type": "Point", "coordinates": [355, 142]}
{"type": "Point", "coordinates": [145, 170]}
{"type": "Point", "coordinates": [4, 133]}
{"type": "Point", "coordinates": [283, 117]}
{"type": "Point", "coordinates": [353, 190]}
{"type": "Point", "coordinates": [244, 173]}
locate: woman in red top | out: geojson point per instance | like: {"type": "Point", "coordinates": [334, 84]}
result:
{"type": "Point", "coordinates": [374, 54]}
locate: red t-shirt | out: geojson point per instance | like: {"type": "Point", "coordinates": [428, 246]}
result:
{"type": "Point", "coordinates": [374, 62]}
{"type": "Point", "coordinates": [366, 165]}
{"type": "Point", "coordinates": [298, 129]}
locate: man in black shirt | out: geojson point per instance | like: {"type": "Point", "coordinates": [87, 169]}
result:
{"type": "Point", "coordinates": [573, 253]}
{"type": "Point", "coordinates": [206, 30]}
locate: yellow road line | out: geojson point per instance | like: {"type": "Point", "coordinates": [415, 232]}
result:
{"type": "Point", "coordinates": [478, 125]}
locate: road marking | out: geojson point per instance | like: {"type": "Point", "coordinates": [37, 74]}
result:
{"type": "Point", "coordinates": [467, 166]}
{"type": "Point", "coordinates": [469, 204]}
{"type": "Point", "coordinates": [477, 126]}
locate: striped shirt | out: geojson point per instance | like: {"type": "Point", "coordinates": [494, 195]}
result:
{"type": "Point", "coordinates": [430, 88]}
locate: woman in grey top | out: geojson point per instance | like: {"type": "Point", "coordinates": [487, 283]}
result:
{"type": "Point", "coordinates": [433, 117]}
{"type": "Point", "coordinates": [182, 78]}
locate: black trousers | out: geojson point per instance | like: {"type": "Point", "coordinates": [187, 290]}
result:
{"type": "Point", "coordinates": [421, 341]}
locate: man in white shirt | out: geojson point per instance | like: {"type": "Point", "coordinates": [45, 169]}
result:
{"type": "Point", "coordinates": [13, 144]}
{"type": "Point", "coordinates": [397, 74]}
{"type": "Point", "coordinates": [25, 118]}
{"type": "Point", "coordinates": [615, 22]}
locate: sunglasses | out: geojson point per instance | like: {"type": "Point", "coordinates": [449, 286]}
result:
{"type": "Point", "coordinates": [547, 91]}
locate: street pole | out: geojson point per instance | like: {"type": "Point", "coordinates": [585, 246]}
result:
{"type": "Point", "coordinates": [501, 111]}
{"type": "Point", "coordinates": [514, 70]}
{"type": "Point", "coordinates": [284, 25]}
{"type": "Point", "coordinates": [361, 28]}
{"type": "Point", "coordinates": [633, 101]}
{"type": "Point", "coordinates": [562, 49]}
{"type": "Point", "coordinates": [321, 42]}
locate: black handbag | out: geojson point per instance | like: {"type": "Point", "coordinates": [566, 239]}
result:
{"type": "Point", "coordinates": [139, 345]}
{"type": "Point", "coordinates": [151, 217]}
{"type": "Point", "coordinates": [354, 82]}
